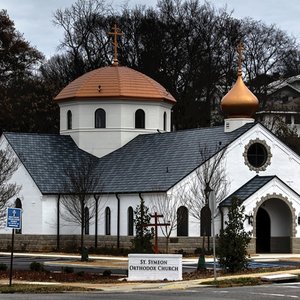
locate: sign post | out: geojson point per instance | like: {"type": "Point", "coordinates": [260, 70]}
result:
{"type": "Point", "coordinates": [212, 206]}
{"type": "Point", "coordinates": [13, 221]}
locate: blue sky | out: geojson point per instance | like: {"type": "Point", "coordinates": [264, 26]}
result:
{"type": "Point", "coordinates": [33, 18]}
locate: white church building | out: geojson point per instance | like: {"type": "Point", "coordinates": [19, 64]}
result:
{"type": "Point", "coordinates": [121, 120]}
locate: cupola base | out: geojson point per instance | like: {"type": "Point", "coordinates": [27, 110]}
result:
{"type": "Point", "coordinates": [232, 124]}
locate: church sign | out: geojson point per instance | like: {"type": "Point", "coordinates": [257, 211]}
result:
{"type": "Point", "coordinates": [142, 267]}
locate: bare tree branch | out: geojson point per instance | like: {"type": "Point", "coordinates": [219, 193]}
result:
{"type": "Point", "coordinates": [82, 182]}
{"type": "Point", "coordinates": [8, 166]}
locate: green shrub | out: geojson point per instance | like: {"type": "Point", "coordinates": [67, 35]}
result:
{"type": "Point", "coordinates": [36, 266]}
{"type": "Point", "coordinates": [68, 270]}
{"type": "Point", "coordinates": [106, 273]}
{"type": "Point", "coordinates": [3, 267]}
{"type": "Point", "coordinates": [80, 273]}
{"type": "Point", "coordinates": [233, 240]}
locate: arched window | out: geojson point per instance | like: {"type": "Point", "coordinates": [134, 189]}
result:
{"type": "Point", "coordinates": [100, 118]}
{"type": "Point", "coordinates": [69, 119]}
{"type": "Point", "coordinates": [86, 221]}
{"type": "Point", "coordinates": [18, 204]}
{"type": "Point", "coordinates": [165, 121]}
{"type": "Point", "coordinates": [130, 220]}
{"type": "Point", "coordinates": [107, 221]}
{"type": "Point", "coordinates": [182, 221]}
{"type": "Point", "coordinates": [205, 215]}
{"type": "Point", "coordinates": [139, 119]}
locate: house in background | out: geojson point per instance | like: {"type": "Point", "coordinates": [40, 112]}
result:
{"type": "Point", "coordinates": [283, 104]}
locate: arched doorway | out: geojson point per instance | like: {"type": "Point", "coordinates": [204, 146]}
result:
{"type": "Point", "coordinates": [273, 226]}
{"type": "Point", "coordinates": [263, 231]}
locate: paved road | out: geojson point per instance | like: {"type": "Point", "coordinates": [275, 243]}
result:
{"type": "Point", "coordinates": [264, 292]}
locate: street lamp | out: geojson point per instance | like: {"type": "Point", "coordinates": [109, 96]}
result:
{"type": "Point", "coordinates": [212, 205]}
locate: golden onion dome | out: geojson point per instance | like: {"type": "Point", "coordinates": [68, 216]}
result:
{"type": "Point", "coordinates": [239, 102]}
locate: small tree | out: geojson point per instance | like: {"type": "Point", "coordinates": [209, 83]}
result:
{"type": "Point", "coordinates": [8, 166]}
{"type": "Point", "coordinates": [81, 184]}
{"type": "Point", "coordinates": [142, 240]}
{"type": "Point", "coordinates": [167, 205]}
{"type": "Point", "coordinates": [211, 173]}
{"type": "Point", "coordinates": [233, 240]}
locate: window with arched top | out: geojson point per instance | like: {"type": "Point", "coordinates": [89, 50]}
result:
{"type": "Point", "coordinates": [100, 118]}
{"type": "Point", "coordinates": [69, 119]}
{"type": "Point", "coordinates": [18, 204]}
{"type": "Point", "coordinates": [107, 220]}
{"type": "Point", "coordinates": [139, 119]}
{"type": "Point", "coordinates": [130, 220]}
{"type": "Point", "coordinates": [86, 221]}
{"type": "Point", "coordinates": [165, 121]}
{"type": "Point", "coordinates": [182, 221]}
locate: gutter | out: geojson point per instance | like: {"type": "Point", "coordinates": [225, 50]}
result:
{"type": "Point", "coordinates": [118, 221]}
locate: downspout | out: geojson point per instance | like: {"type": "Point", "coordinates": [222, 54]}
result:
{"type": "Point", "coordinates": [222, 217]}
{"type": "Point", "coordinates": [96, 220]}
{"type": "Point", "coordinates": [118, 221]}
{"type": "Point", "coordinates": [142, 210]}
{"type": "Point", "coordinates": [58, 224]}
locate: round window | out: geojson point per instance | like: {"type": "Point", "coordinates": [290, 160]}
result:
{"type": "Point", "coordinates": [257, 155]}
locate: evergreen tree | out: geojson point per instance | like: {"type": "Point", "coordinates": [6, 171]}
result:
{"type": "Point", "coordinates": [142, 241]}
{"type": "Point", "coordinates": [233, 240]}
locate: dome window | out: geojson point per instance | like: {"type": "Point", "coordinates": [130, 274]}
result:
{"type": "Point", "coordinates": [165, 121]}
{"type": "Point", "coordinates": [140, 119]}
{"type": "Point", "coordinates": [100, 118]}
{"type": "Point", "coordinates": [69, 119]}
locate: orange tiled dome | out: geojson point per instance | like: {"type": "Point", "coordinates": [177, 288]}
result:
{"type": "Point", "coordinates": [115, 82]}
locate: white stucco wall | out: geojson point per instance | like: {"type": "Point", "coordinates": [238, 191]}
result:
{"type": "Point", "coordinates": [120, 122]}
{"type": "Point", "coordinates": [284, 162]}
{"type": "Point", "coordinates": [30, 197]}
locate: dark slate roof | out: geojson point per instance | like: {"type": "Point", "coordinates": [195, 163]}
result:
{"type": "Point", "coordinates": [46, 157]}
{"type": "Point", "coordinates": [156, 162]}
{"type": "Point", "coordinates": [248, 189]}
{"type": "Point", "coordinates": [148, 163]}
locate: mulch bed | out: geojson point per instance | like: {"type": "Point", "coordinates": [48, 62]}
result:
{"type": "Point", "coordinates": [47, 276]}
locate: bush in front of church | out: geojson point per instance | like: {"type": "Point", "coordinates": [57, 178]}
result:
{"type": "Point", "coordinates": [142, 242]}
{"type": "Point", "coordinates": [233, 240]}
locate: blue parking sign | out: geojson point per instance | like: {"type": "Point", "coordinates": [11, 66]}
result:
{"type": "Point", "coordinates": [13, 218]}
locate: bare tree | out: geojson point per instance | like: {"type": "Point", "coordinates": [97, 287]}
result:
{"type": "Point", "coordinates": [8, 166]}
{"type": "Point", "coordinates": [82, 190]}
{"type": "Point", "coordinates": [167, 205]}
{"type": "Point", "coordinates": [211, 174]}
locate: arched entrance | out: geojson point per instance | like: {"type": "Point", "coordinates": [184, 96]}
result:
{"type": "Point", "coordinates": [273, 227]}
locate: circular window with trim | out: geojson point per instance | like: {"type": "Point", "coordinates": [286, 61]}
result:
{"type": "Point", "coordinates": [257, 155]}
